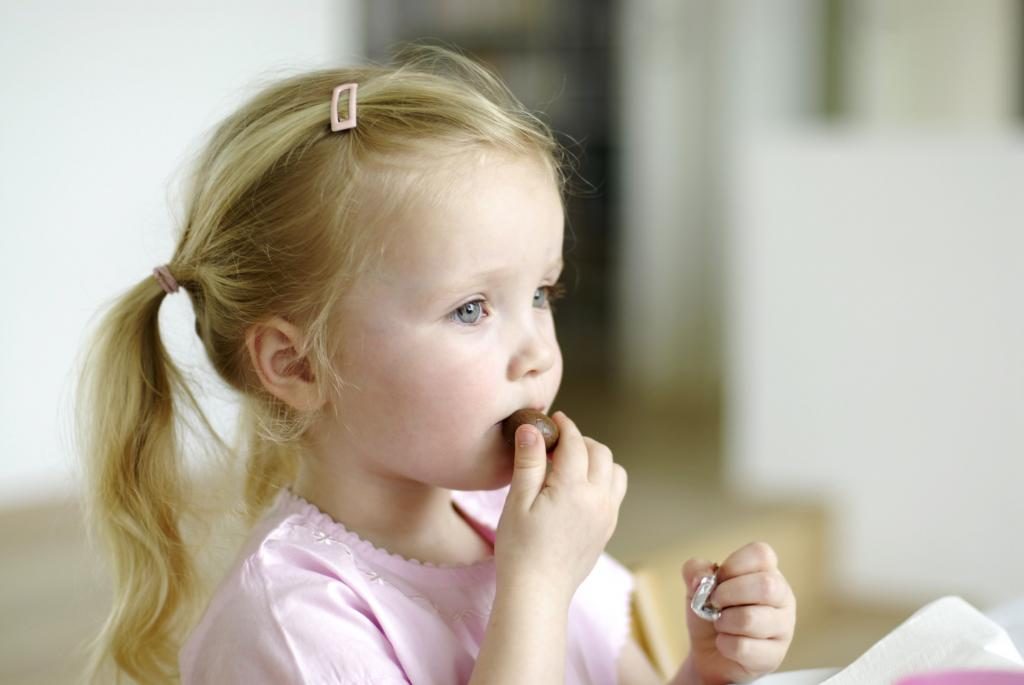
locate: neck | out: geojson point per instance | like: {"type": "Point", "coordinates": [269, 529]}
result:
{"type": "Point", "coordinates": [412, 519]}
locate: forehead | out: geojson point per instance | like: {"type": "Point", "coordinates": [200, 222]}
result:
{"type": "Point", "coordinates": [491, 214]}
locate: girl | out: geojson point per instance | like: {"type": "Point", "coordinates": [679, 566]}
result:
{"type": "Point", "coordinates": [372, 254]}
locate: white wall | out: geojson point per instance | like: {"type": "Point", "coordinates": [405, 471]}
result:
{"type": "Point", "coordinates": [932, 62]}
{"type": "Point", "coordinates": [876, 355]}
{"type": "Point", "coordinates": [871, 282]}
{"type": "Point", "coordinates": [663, 296]}
{"type": "Point", "coordinates": [103, 104]}
{"type": "Point", "coordinates": [691, 73]}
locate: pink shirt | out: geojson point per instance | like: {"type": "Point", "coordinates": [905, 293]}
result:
{"type": "Point", "coordinates": [308, 601]}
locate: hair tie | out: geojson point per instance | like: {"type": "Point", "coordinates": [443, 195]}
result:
{"type": "Point", "coordinates": [165, 279]}
{"type": "Point", "coordinates": [350, 121]}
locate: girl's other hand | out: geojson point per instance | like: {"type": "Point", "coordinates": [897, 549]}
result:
{"type": "Point", "coordinates": [556, 524]}
{"type": "Point", "coordinates": [758, 617]}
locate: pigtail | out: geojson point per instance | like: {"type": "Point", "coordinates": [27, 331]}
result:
{"type": "Point", "coordinates": [136, 487]}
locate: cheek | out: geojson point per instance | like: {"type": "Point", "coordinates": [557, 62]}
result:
{"type": "Point", "coordinates": [555, 373]}
{"type": "Point", "coordinates": [448, 407]}
{"type": "Point", "coordinates": [452, 384]}
{"type": "Point", "coordinates": [429, 382]}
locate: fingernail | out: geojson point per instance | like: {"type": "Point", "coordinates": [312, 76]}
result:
{"type": "Point", "coordinates": [526, 435]}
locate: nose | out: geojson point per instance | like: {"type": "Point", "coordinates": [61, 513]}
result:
{"type": "Point", "coordinates": [535, 352]}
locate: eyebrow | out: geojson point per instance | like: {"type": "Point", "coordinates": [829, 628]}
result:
{"type": "Point", "coordinates": [487, 274]}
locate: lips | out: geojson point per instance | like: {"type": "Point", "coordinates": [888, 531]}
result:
{"type": "Point", "coordinates": [535, 407]}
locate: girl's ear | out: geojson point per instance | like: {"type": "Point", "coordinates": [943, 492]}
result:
{"type": "Point", "coordinates": [273, 346]}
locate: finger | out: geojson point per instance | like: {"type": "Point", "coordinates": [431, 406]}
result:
{"type": "Point", "coordinates": [570, 458]}
{"type": "Point", "coordinates": [530, 466]}
{"type": "Point", "coordinates": [693, 571]}
{"type": "Point", "coordinates": [620, 481]}
{"type": "Point", "coordinates": [761, 622]}
{"type": "Point", "coordinates": [751, 558]}
{"type": "Point", "coordinates": [768, 588]}
{"type": "Point", "coordinates": [600, 468]}
{"type": "Point", "coordinates": [753, 655]}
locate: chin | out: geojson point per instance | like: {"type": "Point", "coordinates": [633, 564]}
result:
{"type": "Point", "coordinates": [493, 484]}
{"type": "Point", "coordinates": [483, 482]}
{"type": "Point", "coordinates": [493, 471]}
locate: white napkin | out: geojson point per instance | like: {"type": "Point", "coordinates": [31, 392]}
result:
{"type": "Point", "coordinates": [948, 633]}
{"type": "Point", "coordinates": [1010, 616]}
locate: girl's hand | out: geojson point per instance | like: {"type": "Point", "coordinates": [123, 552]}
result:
{"type": "Point", "coordinates": [555, 525]}
{"type": "Point", "coordinates": [758, 617]}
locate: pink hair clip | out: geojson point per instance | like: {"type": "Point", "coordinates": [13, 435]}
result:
{"type": "Point", "coordinates": [350, 121]}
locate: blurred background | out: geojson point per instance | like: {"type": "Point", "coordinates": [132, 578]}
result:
{"type": "Point", "coordinates": [795, 269]}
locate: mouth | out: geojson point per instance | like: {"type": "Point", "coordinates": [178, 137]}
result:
{"type": "Point", "coordinates": [536, 407]}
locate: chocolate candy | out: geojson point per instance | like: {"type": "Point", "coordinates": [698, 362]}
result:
{"type": "Point", "coordinates": [546, 426]}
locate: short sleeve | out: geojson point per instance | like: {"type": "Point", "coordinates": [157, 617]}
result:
{"type": "Point", "coordinates": [289, 625]}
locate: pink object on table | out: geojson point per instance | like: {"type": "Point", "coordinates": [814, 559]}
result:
{"type": "Point", "coordinates": [966, 678]}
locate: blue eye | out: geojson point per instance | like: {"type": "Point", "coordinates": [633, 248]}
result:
{"type": "Point", "coordinates": [545, 295]}
{"type": "Point", "coordinates": [469, 313]}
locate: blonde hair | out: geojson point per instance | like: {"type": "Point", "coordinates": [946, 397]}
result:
{"type": "Point", "coordinates": [275, 224]}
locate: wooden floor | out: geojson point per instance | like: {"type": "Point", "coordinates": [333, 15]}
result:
{"type": "Point", "coordinates": [53, 593]}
